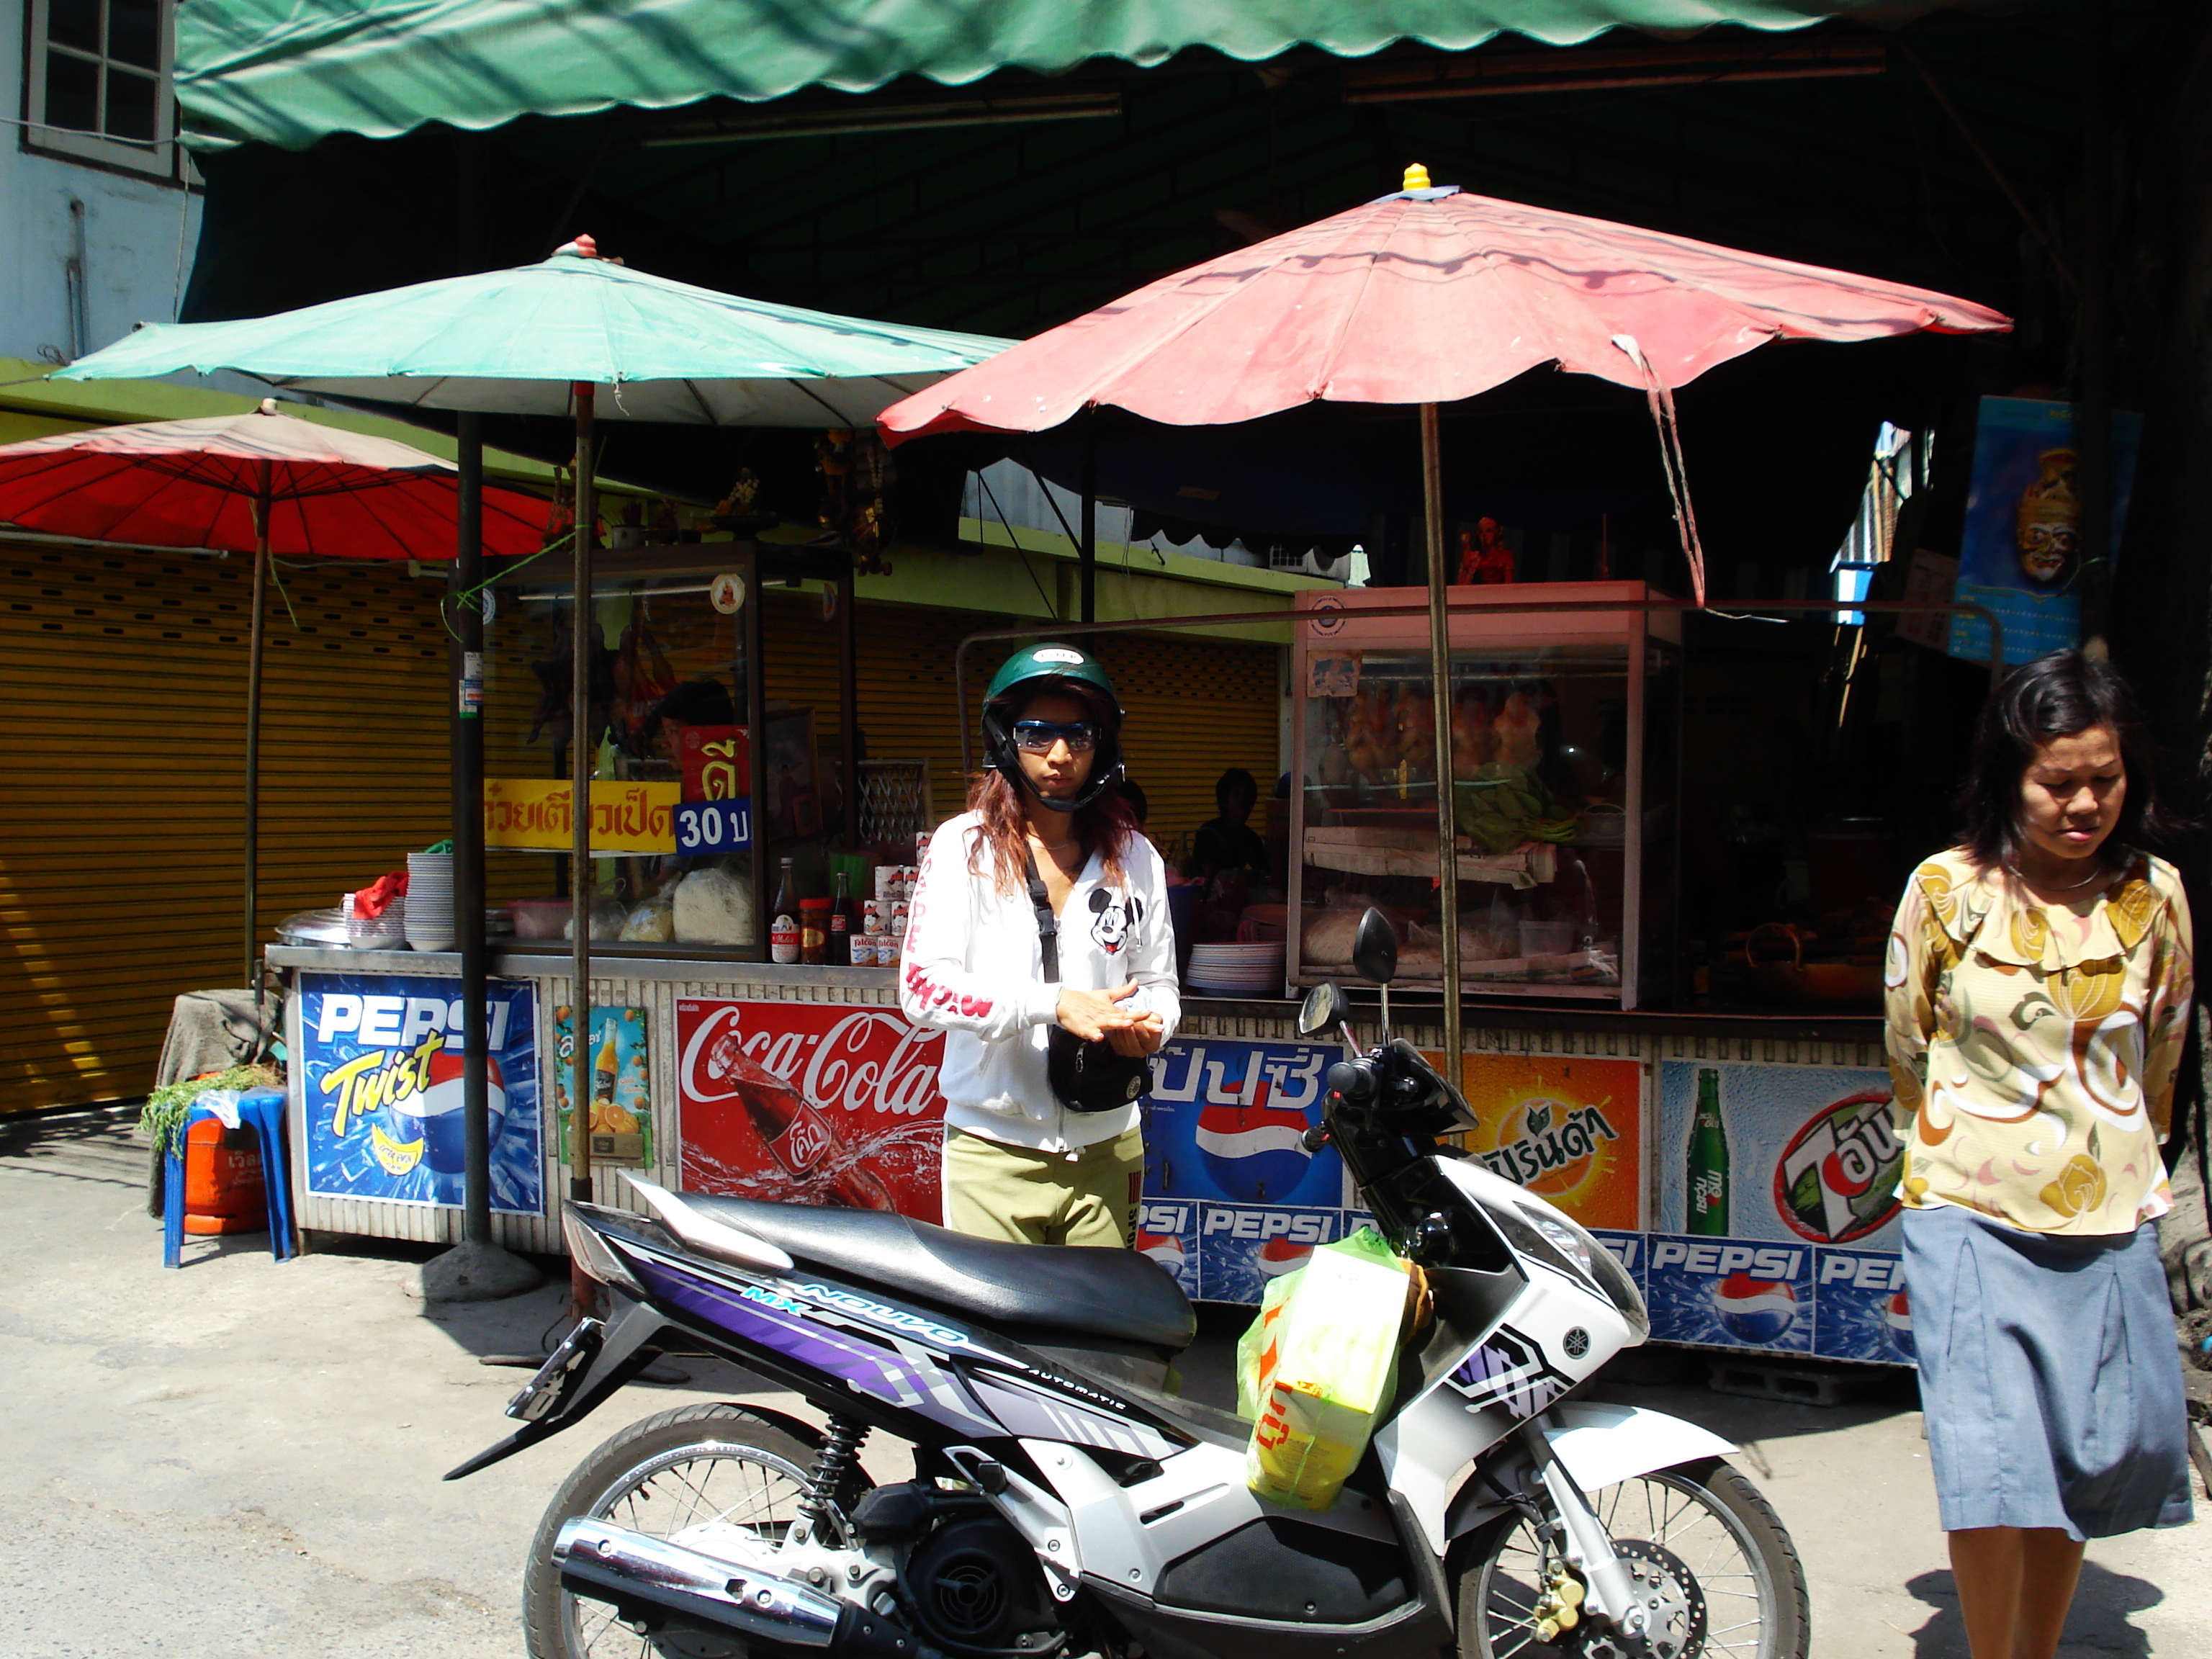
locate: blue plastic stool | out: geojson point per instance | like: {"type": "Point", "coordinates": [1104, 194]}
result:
{"type": "Point", "coordinates": [262, 1111]}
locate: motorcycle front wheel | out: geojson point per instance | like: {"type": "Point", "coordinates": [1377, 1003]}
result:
{"type": "Point", "coordinates": [659, 1475]}
{"type": "Point", "coordinates": [1724, 1579]}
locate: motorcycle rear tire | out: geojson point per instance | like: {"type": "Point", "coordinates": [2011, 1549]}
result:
{"type": "Point", "coordinates": [710, 1432]}
{"type": "Point", "coordinates": [1708, 1483]}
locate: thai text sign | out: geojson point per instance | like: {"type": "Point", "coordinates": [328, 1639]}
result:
{"type": "Point", "coordinates": [532, 814]}
{"type": "Point", "coordinates": [378, 1072]}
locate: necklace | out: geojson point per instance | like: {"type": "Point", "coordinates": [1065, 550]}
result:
{"type": "Point", "coordinates": [1054, 848]}
{"type": "Point", "coordinates": [2071, 887]}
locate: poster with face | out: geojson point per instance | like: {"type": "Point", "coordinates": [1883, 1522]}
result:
{"type": "Point", "coordinates": [2020, 553]}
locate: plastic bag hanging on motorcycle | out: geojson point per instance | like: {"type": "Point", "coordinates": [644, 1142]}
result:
{"type": "Point", "coordinates": [1314, 1372]}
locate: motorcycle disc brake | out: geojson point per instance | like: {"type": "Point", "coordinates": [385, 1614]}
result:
{"type": "Point", "coordinates": [1671, 1606]}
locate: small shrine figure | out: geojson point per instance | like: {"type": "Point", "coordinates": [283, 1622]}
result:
{"type": "Point", "coordinates": [1484, 557]}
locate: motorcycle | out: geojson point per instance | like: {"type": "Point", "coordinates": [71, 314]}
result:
{"type": "Point", "coordinates": [1065, 1501]}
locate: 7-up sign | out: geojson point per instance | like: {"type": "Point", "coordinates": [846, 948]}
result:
{"type": "Point", "coordinates": [1836, 1180]}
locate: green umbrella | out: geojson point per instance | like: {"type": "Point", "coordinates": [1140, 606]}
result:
{"type": "Point", "coordinates": [578, 335]}
{"type": "Point", "coordinates": [523, 342]}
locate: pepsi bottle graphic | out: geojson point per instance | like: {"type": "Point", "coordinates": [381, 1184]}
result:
{"type": "Point", "coordinates": [1705, 1187]}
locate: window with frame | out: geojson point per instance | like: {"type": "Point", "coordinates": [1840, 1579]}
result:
{"type": "Point", "coordinates": [98, 83]}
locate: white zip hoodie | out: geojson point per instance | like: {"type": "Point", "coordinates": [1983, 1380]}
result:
{"type": "Point", "coordinates": [973, 967]}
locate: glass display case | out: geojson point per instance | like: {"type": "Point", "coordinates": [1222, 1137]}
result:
{"type": "Point", "coordinates": [1563, 727]}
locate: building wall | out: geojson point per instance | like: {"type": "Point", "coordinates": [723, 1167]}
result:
{"type": "Point", "coordinates": [136, 230]}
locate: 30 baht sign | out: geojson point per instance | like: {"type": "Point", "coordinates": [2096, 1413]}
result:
{"type": "Point", "coordinates": [379, 1064]}
{"type": "Point", "coordinates": [809, 1103]}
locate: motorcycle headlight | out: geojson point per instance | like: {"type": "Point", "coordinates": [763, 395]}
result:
{"type": "Point", "coordinates": [1565, 1239]}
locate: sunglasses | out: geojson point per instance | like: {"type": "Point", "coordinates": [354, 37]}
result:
{"type": "Point", "coordinates": [1037, 737]}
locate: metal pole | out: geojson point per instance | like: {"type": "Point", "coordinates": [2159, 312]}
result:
{"type": "Point", "coordinates": [1089, 550]}
{"type": "Point", "coordinates": [848, 706]}
{"type": "Point", "coordinates": [254, 728]}
{"type": "Point", "coordinates": [467, 744]}
{"type": "Point", "coordinates": [583, 761]}
{"type": "Point", "coordinates": [1432, 513]}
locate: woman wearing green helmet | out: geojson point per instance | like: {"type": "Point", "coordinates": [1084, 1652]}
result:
{"type": "Point", "coordinates": [1045, 821]}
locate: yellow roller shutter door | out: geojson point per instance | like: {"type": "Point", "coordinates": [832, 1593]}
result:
{"type": "Point", "coordinates": [123, 677]}
{"type": "Point", "coordinates": [1195, 708]}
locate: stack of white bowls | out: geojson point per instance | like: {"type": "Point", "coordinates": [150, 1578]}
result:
{"type": "Point", "coordinates": [386, 933]}
{"type": "Point", "coordinates": [430, 901]}
{"type": "Point", "coordinates": [1247, 970]}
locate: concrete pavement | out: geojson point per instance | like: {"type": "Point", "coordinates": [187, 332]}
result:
{"type": "Point", "coordinates": [242, 1458]}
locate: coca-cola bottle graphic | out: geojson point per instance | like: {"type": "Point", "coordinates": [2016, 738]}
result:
{"type": "Point", "coordinates": [799, 1137]}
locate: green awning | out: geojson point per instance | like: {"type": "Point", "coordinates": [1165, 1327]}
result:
{"type": "Point", "coordinates": [288, 72]}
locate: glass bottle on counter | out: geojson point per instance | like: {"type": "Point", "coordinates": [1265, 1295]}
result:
{"type": "Point", "coordinates": [842, 924]}
{"type": "Point", "coordinates": [814, 932]}
{"type": "Point", "coordinates": [783, 918]}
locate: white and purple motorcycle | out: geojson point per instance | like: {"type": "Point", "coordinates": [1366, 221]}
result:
{"type": "Point", "coordinates": [1065, 1501]}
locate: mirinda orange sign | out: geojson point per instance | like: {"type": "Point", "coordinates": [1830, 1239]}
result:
{"type": "Point", "coordinates": [1570, 1131]}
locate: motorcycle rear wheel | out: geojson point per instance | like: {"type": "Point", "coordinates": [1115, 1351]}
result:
{"type": "Point", "coordinates": [660, 1474]}
{"type": "Point", "coordinates": [1705, 1517]}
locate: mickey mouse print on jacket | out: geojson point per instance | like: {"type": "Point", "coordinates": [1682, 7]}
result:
{"type": "Point", "coordinates": [973, 967]}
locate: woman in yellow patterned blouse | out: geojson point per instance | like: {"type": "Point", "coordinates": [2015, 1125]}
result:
{"type": "Point", "coordinates": [2039, 984]}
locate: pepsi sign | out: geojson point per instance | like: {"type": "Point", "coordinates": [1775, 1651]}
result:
{"type": "Point", "coordinates": [1241, 1247]}
{"type": "Point", "coordinates": [1730, 1294]}
{"type": "Point", "coordinates": [1864, 1311]}
{"type": "Point", "coordinates": [1225, 1122]}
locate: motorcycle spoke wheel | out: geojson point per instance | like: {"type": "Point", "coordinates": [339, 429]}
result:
{"type": "Point", "coordinates": [680, 1469]}
{"type": "Point", "coordinates": [1706, 1517]}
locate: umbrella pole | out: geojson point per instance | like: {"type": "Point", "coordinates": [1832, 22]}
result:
{"type": "Point", "coordinates": [1432, 513]}
{"type": "Point", "coordinates": [468, 828]}
{"type": "Point", "coordinates": [580, 766]}
{"type": "Point", "coordinates": [253, 726]}
{"type": "Point", "coordinates": [1088, 595]}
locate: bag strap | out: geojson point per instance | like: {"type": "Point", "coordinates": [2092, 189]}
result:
{"type": "Point", "coordinates": [1048, 923]}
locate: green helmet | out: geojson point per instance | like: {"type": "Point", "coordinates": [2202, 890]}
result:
{"type": "Point", "coordinates": [1035, 665]}
{"type": "Point", "coordinates": [1051, 662]}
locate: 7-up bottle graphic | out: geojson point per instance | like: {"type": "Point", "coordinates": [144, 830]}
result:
{"type": "Point", "coordinates": [1705, 1189]}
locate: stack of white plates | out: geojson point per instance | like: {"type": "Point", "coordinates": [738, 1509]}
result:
{"type": "Point", "coordinates": [1250, 970]}
{"type": "Point", "coordinates": [430, 901]}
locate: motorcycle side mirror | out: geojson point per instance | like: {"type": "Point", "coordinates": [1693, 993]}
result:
{"type": "Point", "coordinates": [1321, 1014]}
{"type": "Point", "coordinates": [1375, 948]}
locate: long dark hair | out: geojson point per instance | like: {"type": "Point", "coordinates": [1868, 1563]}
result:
{"type": "Point", "coordinates": [1105, 826]}
{"type": "Point", "coordinates": [2056, 696]}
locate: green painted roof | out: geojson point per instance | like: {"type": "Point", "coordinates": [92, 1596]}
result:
{"type": "Point", "coordinates": [290, 72]}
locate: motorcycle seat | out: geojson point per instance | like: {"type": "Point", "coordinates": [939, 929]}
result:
{"type": "Point", "coordinates": [1117, 1294]}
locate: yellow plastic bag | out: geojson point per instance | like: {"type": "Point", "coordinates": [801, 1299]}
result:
{"type": "Point", "coordinates": [1315, 1370]}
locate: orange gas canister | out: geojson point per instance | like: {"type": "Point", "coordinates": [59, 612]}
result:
{"type": "Point", "coordinates": [223, 1190]}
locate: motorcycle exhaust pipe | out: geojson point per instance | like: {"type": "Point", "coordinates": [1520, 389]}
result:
{"type": "Point", "coordinates": [652, 1580]}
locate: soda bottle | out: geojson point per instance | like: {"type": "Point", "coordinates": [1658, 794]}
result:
{"type": "Point", "coordinates": [605, 1066]}
{"type": "Point", "coordinates": [814, 931]}
{"type": "Point", "coordinates": [842, 927]}
{"type": "Point", "coordinates": [800, 1138]}
{"type": "Point", "coordinates": [783, 919]}
{"type": "Point", "coordinates": [1706, 1187]}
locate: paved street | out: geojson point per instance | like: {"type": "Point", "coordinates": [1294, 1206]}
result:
{"type": "Point", "coordinates": [242, 1459]}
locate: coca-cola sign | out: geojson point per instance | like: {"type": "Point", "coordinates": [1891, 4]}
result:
{"type": "Point", "coordinates": [808, 1104]}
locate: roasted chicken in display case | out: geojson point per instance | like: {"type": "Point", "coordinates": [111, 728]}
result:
{"type": "Point", "coordinates": [1561, 743]}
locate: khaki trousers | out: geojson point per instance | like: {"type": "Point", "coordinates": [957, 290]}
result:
{"type": "Point", "coordinates": [1022, 1196]}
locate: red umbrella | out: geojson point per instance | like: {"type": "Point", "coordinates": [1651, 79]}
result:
{"type": "Point", "coordinates": [1424, 297]}
{"type": "Point", "coordinates": [260, 483]}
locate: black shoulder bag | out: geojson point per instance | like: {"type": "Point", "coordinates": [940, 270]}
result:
{"type": "Point", "coordinates": [1085, 1077]}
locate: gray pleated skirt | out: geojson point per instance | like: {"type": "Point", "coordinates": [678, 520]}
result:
{"type": "Point", "coordinates": [2049, 1376]}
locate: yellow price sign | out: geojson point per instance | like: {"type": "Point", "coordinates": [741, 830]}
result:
{"type": "Point", "coordinates": [532, 815]}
